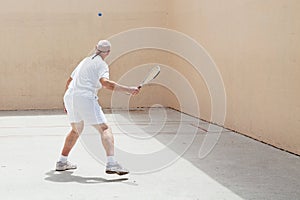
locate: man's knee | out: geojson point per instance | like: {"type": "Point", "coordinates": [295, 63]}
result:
{"type": "Point", "coordinates": [77, 128]}
{"type": "Point", "coordinates": [75, 133]}
{"type": "Point", "coordinates": [104, 127]}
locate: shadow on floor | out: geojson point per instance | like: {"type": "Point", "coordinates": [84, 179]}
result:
{"type": "Point", "coordinates": [247, 167]}
{"type": "Point", "coordinates": [250, 169]}
{"type": "Point", "coordinates": [67, 176]}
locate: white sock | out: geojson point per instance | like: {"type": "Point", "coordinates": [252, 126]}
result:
{"type": "Point", "coordinates": [111, 159]}
{"type": "Point", "coordinates": [63, 159]}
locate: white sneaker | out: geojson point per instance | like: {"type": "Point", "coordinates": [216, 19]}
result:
{"type": "Point", "coordinates": [60, 166]}
{"type": "Point", "coordinates": [115, 168]}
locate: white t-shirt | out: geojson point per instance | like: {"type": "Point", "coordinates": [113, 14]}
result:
{"type": "Point", "coordinates": [86, 77]}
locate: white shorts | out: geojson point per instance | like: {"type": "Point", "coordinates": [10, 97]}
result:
{"type": "Point", "coordinates": [84, 109]}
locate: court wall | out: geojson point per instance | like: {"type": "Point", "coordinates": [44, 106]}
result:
{"type": "Point", "coordinates": [255, 44]}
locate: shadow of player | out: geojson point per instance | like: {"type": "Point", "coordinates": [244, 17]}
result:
{"type": "Point", "coordinates": [67, 176]}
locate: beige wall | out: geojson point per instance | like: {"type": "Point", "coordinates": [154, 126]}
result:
{"type": "Point", "coordinates": [255, 44]}
{"type": "Point", "coordinates": [42, 42]}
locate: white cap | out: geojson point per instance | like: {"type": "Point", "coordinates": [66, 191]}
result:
{"type": "Point", "coordinates": [103, 45]}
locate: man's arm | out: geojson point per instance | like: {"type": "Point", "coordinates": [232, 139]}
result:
{"type": "Point", "coordinates": [111, 85]}
{"type": "Point", "coordinates": [68, 83]}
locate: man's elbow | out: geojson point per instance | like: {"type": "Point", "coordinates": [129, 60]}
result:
{"type": "Point", "coordinates": [69, 81]}
{"type": "Point", "coordinates": [108, 85]}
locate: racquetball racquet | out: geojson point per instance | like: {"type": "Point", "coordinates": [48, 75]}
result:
{"type": "Point", "coordinates": [151, 75]}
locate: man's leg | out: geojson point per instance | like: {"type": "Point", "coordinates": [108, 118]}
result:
{"type": "Point", "coordinates": [72, 137]}
{"type": "Point", "coordinates": [107, 139]}
{"type": "Point", "coordinates": [70, 141]}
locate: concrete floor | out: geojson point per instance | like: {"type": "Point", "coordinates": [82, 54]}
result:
{"type": "Point", "coordinates": [160, 147]}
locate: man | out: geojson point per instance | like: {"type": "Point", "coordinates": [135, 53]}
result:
{"type": "Point", "coordinates": [81, 105]}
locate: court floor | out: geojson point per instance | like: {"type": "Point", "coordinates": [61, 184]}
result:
{"type": "Point", "coordinates": [170, 155]}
